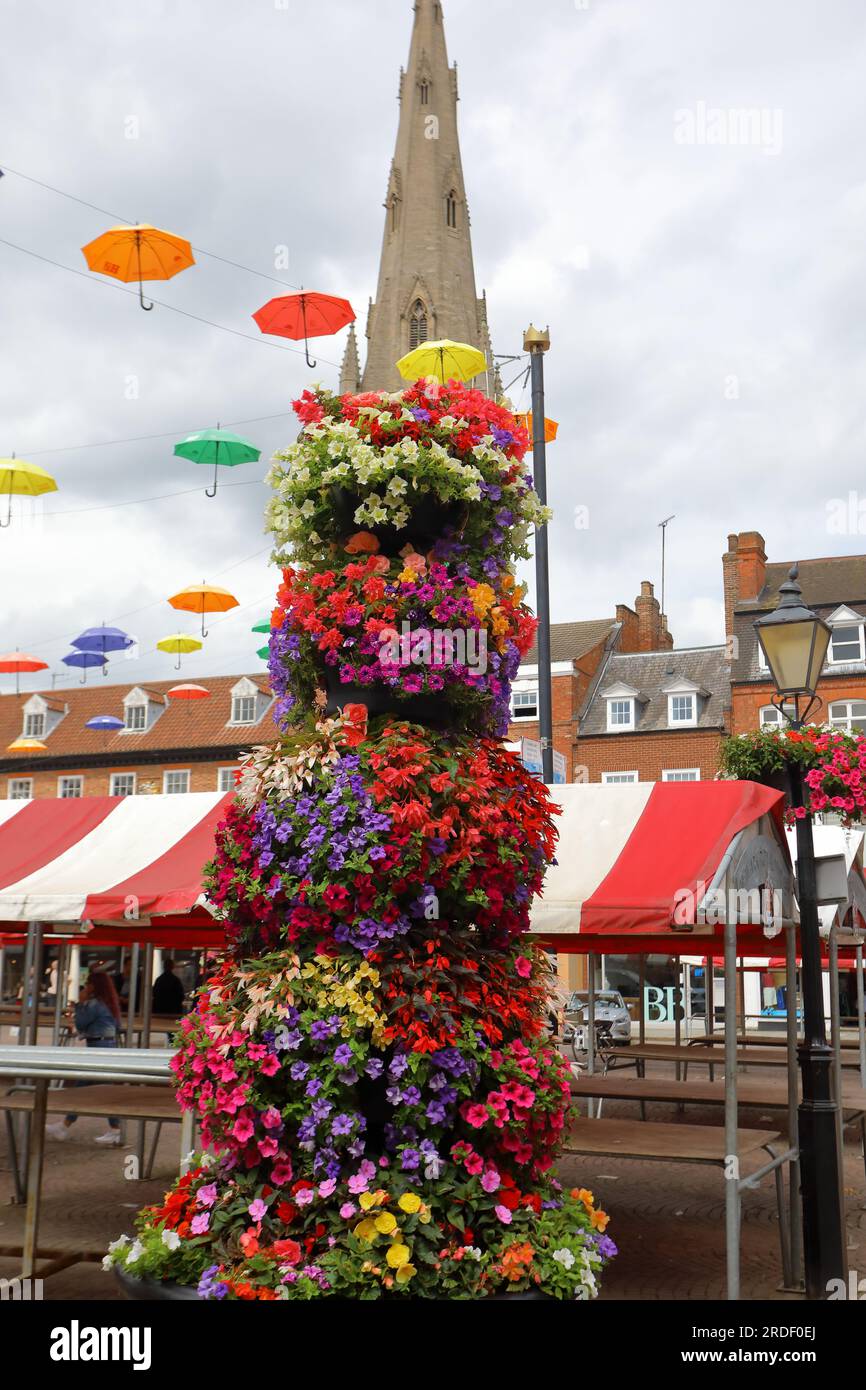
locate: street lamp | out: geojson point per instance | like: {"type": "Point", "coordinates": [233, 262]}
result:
{"type": "Point", "coordinates": [794, 641]}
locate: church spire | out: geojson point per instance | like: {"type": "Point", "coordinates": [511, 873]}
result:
{"type": "Point", "coordinates": [426, 285]}
{"type": "Point", "coordinates": [350, 370]}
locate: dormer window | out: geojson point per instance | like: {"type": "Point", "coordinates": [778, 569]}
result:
{"type": "Point", "coordinates": [681, 709]}
{"type": "Point", "coordinates": [136, 718]}
{"type": "Point", "coordinates": [249, 702]}
{"type": "Point", "coordinates": [34, 725]}
{"type": "Point", "coordinates": [846, 640]}
{"type": "Point", "coordinates": [620, 714]}
{"type": "Point", "coordinates": [42, 715]}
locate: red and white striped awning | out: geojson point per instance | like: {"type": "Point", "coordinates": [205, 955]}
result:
{"type": "Point", "coordinates": [630, 853]}
{"type": "Point", "coordinates": [104, 858]}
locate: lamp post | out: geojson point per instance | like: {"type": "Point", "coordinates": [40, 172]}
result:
{"type": "Point", "coordinates": [536, 342]}
{"type": "Point", "coordinates": [794, 641]}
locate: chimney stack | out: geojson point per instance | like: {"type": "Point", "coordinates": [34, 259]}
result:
{"type": "Point", "coordinates": [653, 635]}
{"type": "Point", "coordinates": [744, 570]}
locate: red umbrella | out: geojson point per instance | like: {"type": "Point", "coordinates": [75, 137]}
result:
{"type": "Point", "coordinates": [188, 691]}
{"type": "Point", "coordinates": [18, 662]}
{"type": "Point", "coordinates": [305, 315]}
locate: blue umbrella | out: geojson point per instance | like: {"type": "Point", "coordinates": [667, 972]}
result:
{"type": "Point", "coordinates": [108, 722]}
{"type": "Point", "coordinates": [83, 660]}
{"type": "Point", "coordinates": [103, 640]}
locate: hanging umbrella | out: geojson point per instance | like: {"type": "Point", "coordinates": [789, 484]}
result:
{"type": "Point", "coordinates": [263, 653]}
{"type": "Point", "coordinates": [22, 478]}
{"type": "Point", "coordinates": [203, 598]}
{"type": "Point", "coordinates": [27, 745]}
{"type": "Point", "coordinates": [219, 448]}
{"type": "Point", "coordinates": [305, 315]}
{"type": "Point", "coordinates": [19, 661]}
{"type": "Point", "coordinates": [442, 360]}
{"type": "Point", "coordinates": [103, 640]}
{"type": "Point", "coordinates": [105, 723]}
{"type": "Point", "coordinates": [179, 642]}
{"type": "Point", "coordinates": [188, 691]}
{"type": "Point", "coordinates": [551, 427]}
{"type": "Point", "coordinates": [264, 626]}
{"type": "Point", "coordinates": [84, 660]}
{"type": "Point", "coordinates": [138, 253]}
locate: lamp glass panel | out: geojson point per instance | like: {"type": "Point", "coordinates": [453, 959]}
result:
{"type": "Point", "coordinates": [792, 650]}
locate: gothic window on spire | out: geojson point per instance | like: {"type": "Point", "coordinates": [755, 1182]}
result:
{"type": "Point", "coordinates": [451, 209]}
{"type": "Point", "coordinates": [417, 325]}
{"type": "Point", "coordinates": [393, 212]}
{"type": "Point", "coordinates": [425, 93]}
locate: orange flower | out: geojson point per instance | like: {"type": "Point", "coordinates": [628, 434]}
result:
{"type": "Point", "coordinates": [515, 1258]}
{"type": "Point", "coordinates": [362, 543]}
{"type": "Point", "coordinates": [599, 1220]}
{"type": "Point", "coordinates": [354, 724]}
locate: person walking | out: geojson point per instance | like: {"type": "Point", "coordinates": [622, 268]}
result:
{"type": "Point", "coordinates": [97, 1020]}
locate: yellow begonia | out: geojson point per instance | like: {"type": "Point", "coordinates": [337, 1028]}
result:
{"type": "Point", "coordinates": [405, 1272]}
{"type": "Point", "coordinates": [366, 1230]}
{"type": "Point", "coordinates": [386, 1223]}
{"type": "Point", "coordinates": [398, 1256]}
{"type": "Point", "coordinates": [366, 1201]}
{"type": "Point", "coordinates": [410, 1202]}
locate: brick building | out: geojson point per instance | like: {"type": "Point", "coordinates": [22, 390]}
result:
{"type": "Point", "coordinates": [835, 587]}
{"type": "Point", "coordinates": [165, 745]}
{"type": "Point", "coordinates": [577, 650]}
{"type": "Point", "coordinates": [655, 716]}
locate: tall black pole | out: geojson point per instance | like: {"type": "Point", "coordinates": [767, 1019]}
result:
{"type": "Point", "coordinates": [823, 1224]}
{"type": "Point", "coordinates": [536, 343]}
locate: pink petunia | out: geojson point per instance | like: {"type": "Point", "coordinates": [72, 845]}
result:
{"type": "Point", "coordinates": [242, 1129]}
{"type": "Point", "coordinates": [258, 1209]}
{"type": "Point", "coordinates": [200, 1223]}
{"type": "Point", "coordinates": [490, 1180]}
{"type": "Point", "coordinates": [504, 1215]}
{"type": "Point", "coordinates": [207, 1195]}
{"type": "Point", "coordinates": [347, 1210]}
{"type": "Point", "coordinates": [523, 967]}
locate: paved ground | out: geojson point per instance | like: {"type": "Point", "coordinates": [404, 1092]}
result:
{"type": "Point", "coordinates": [667, 1219]}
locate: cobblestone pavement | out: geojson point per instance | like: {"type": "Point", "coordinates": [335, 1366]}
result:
{"type": "Point", "coordinates": [667, 1219]}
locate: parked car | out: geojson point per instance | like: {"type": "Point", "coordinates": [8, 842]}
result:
{"type": "Point", "coordinates": [610, 1009]}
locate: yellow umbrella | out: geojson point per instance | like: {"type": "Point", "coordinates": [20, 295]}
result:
{"type": "Point", "coordinates": [27, 745]}
{"type": "Point", "coordinates": [443, 360]}
{"type": "Point", "coordinates": [203, 598]}
{"type": "Point", "coordinates": [551, 427]}
{"type": "Point", "coordinates": [20, 477]}
{"type": "Point", "coordinates": [179, 642]}
{"type": "Point", "coordinates": [138, 253]}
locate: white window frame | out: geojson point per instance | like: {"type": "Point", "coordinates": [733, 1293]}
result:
{"type": "Point", "coordinates": [515, 717]}
{"type": "Point", "coordinates": [227, 772]}
{"type": "Point", "coordinates": [681, 774]}
{"type": "Point", "coordinates": [836, 722]}
{"type": "Point", "coordinates": [13, 782]}
{"type": "Point", "coordinates": [176, 772]}
{"type": "Point", "coordinates": [779, 721]}
{"type": "Point", "coordinates": [111, 780]}
{"type": "Point", "coordinates": [34, 725]}
{"type": "Point", "coordinates": [135, 706]}
{"type": "Point", "coordinates": [71, 777]}
{"type": "Point", "coordinates": [845, 660]}
{"type": "Point", "coordinates": [613, 779]}
{"type": "Point", "coordinates": [692, 719]}
{"type": "Point", "coordinates": [619, 727]}
{"type": "Point", "coordinates": [237, 701]}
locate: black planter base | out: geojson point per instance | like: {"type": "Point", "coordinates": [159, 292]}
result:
{"type": "Point", "coordinates": [431, 710]}
{"type": "Point", "coordinates": [154, 1290]}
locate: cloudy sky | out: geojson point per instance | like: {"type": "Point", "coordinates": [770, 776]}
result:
{"type": "Point", "coordinates": [675, 186]}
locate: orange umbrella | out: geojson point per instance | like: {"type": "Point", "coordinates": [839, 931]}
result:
{"type": "Point", "coordinates": [188, 691]}
{"type": "Point", "coordinates": [19, 661]}
{"type": "Point", "coordinates": [305, 315]}
{"type": "Point", "coordinates": [203, 598]}
{"type": "Point", "coordinates": [27, 745]}
{"type": "Point", "coordinates": [551, 427]}
{"type": "Point", "coordinates": [138, 253]}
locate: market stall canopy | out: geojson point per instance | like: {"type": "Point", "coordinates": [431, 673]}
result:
{"type": "Point", "coordinates": [847, 844]}
{"type": "Point", "coordinates": [106, 859]}
{"type": "Point", "coordinates": [663, 859]}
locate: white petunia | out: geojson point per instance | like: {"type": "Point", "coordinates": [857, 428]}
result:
{"type": "Point", "coordinates": [170, 1239]}
{"type": "Point", "coordinates": [564, 1256]}
{"type": "Point", "coordinates": [135, 1252]}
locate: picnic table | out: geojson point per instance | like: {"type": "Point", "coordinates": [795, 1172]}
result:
{"type": "Point", "coordinates": [143, 1071]}
{"type": "Point", "coordinates": [698, 1144]}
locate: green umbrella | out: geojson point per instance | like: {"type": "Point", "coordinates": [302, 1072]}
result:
{"type": "Point", "coordinates": [219, 448]}
{"type": "Point", "coordinates": [262, 627]}
{"type": "Point", "coordinates": [263, 653]}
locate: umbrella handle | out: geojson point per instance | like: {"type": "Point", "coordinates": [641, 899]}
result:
{"type": "Point", "coordinates": [310, 362]}
{"type": "Point", "coordinates": [83, 680]}
{"type": "Point", "coordinates": [148, 307]}
{"type": "Point", "coordinates": [177, 663]}
{"type": "Point", "coordinates": [140, 286]}
{"type": "Point", "coordinates": [211, 491]}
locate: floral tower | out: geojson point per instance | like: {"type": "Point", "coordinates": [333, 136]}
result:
{"type": "Point", "coordinates": [378, 1102]}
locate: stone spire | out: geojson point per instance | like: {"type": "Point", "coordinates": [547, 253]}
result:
{"type": "Point", "coordinates": [350, 370]}
{"type": "Point", "coordinates": [426, 283]}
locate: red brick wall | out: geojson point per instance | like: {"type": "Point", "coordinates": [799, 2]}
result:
{"type": "Point", "coordinates": [747, 700]}
{"type": "Point", "coordinates": [650, 754]}
{"type": "Point", "coordinates": [566, 696]}
{"type": "Point", "coordinates": [97, 780]}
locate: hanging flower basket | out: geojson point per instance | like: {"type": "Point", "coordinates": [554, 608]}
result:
{"type": "Point", "coordinates": [833, 765]}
